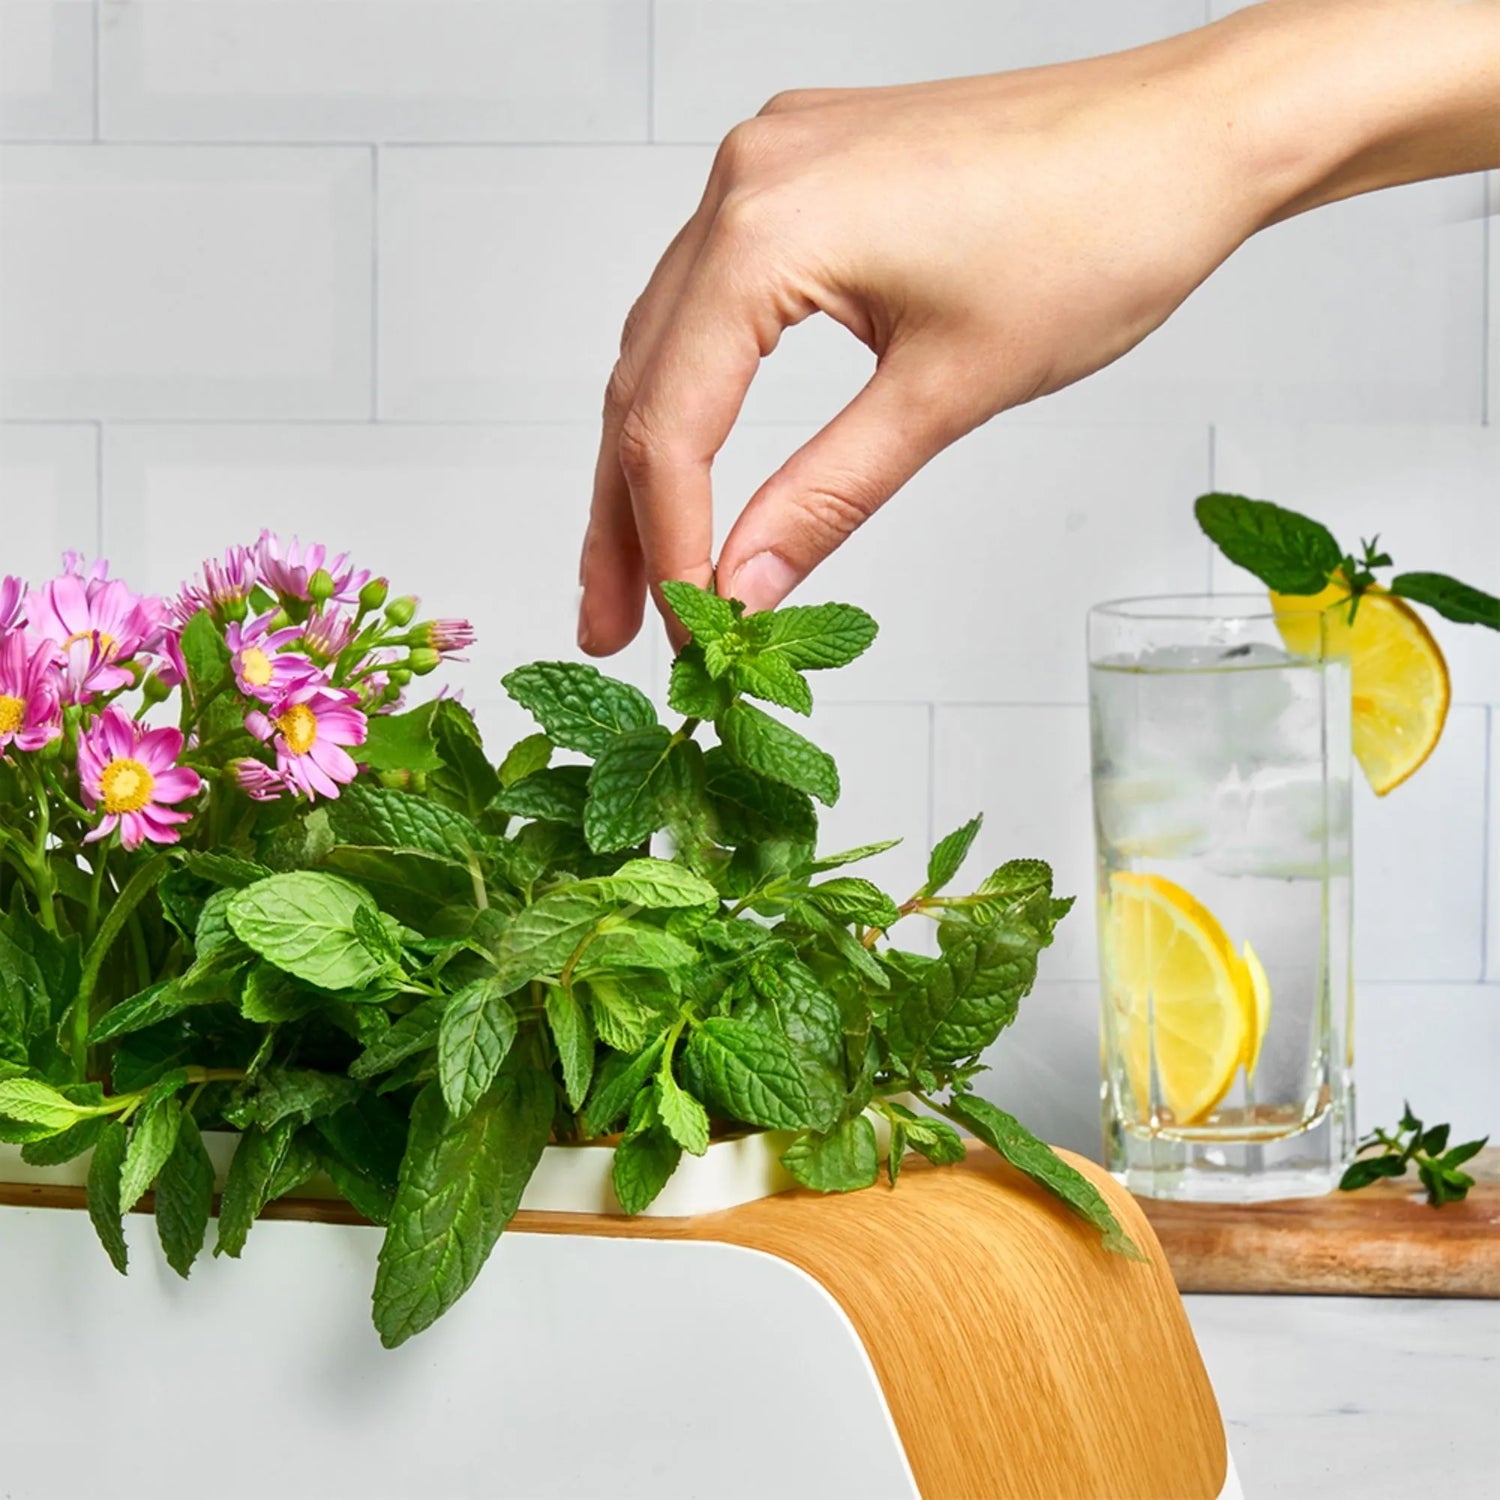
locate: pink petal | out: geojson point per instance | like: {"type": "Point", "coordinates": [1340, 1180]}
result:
{"type": "Point", "coordinates": [336, 762]}
{"type": "Point", "coordinates": [177, 785]}
{"type": "Point", "coordinates": [159, 749]}
{"type": "Point", "coordinates": [259, 725]}
{"type": "Point", "coordinates": [119, 734]}
{"type": "Point", "coordinates": [103, 831]}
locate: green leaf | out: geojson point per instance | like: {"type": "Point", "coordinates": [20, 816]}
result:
{"type": "Point", "coordinates": [54, 1150]}
{"type": "Point", "coordinates": [850, 856]}
{"type": "Point", "coordinates": [1005, 1134]}
{"type": "Point", "coordinates": [620, 1019]}
{"type": "Point", "coordinates": [204, 654]}
{"type": "Point", "coordinates": [362, 1194]}
{"type": "Point", "coordinates": [369, 1135]}
{"type": "Point", "coordinates": [578, 705]}
{"type": "Point", "coordinates": [461, 1183]}
{"type": "Point", "coordinates": [654, 883]}
{"type": "Point", "coordinates": [477, 1033]}
{"type": "Point", "coordinates": [574, 1035]}
{"type": "Point", "coordinates": [269, 996]}
{"type": "Point", "coordinates": [259, 1157]}
{"type": "Point", "coordinates": [525, 758]}
{"type": "Point", "coordinates": [303, 1094]}
{"type": "Point", "coordinates": [36, 1103]}
{"type": "Point", "coordinates": [381, 937]}
{"type": "Point", "coordinates": [618, 1081]}
{"type": "Point", "coordinates": [774, 679]}
{"type": "Point", "coordinates": [1454, 1158]}
{"type": "Point", "coordinates": [1435, 1139]}
{"type": "Point", "coordinates": [705, 615]}
{"type": "Point", "coordinates": [466, 780]}
{"type": "Point", "coordinates": [224, 869]}
{"type": "Point", "coordinates": [809, 1019]}
{"type": "Point", "coordinates": [643, 1166]}
{"type": "Point", "coordinates": [751, 1074]}
{"type": "Point", "coordinates": [1360, 1174]}
{"type": "Point", "coordinates": [303, 922]}
{"type": "Point", "coordinates": [414, 1032]}
{"type": "Point", "coordinates": [556, 795]}
{"type": "Point", "coordinates": [625, 785]}
{"type": "Point", "coordinates": [151, 1142]}
{"type": "Point", "coordinates": [847, 898]}
{"type": "Point", "coordinates": [1018, 878]}
{"type": "Point", "coordinates": [634, 945]}
{"type": "Point", "coordinates": [1408, 1120]}
{"type": "Point", "coordinates": [104, 1194]}
{"type": "Point", "coordinates": [937, 1140]}
{"type": "Point", "coordinates": [542, 938]}
{"type": "Point", "coordinates": [693, 691]}
{"type": "Point", "coordinates": [402, 742]}
{"type": "Point", "coordinates": [184, 1198]}
{"type": "Point", "coordinates": [681, 1115]}
{"type": "Point", "coordinates": [373, 817]}
{"type": "Point", "coordinates": [1289, 552]}
{"type": "Point", "coordinates": [763, 744]}
{"type": "Point", "coordinates": [812, 637]}
{"type": "Point", "coordinates": [753, 809]}
{"type": "Point", "coordinates": [948, 856]}
{"type": "Point", "coordinates": [1453, 600]}
{"type": "Point", "coordinates": [842, 1160]}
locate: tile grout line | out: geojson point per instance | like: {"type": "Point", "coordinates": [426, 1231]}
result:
{"type": "Point", "coordinates": [374, 283]}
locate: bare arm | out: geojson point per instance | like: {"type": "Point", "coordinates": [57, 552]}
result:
{"type": "Point", "coordinates": [991, 239]}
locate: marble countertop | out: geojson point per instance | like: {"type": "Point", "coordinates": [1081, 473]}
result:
{"type": "Point", "coordinates": [1366, 1397]}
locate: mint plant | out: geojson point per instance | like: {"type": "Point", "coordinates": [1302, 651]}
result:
{"type": "Point", "coordinates": [333, 925]}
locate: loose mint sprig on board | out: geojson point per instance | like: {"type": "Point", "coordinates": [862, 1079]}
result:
{"type": "Point", "coordinates": [1294, 554]}
{"type": "Point", "coordinates": [1438, 1164]}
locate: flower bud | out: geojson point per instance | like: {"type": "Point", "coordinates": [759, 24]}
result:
{"type": "Point", "coordinates": [321, 587]}
{"type": "Point", "coordinates": [237, 610]}
{"type": "Point", "coordinates": [395, 781]}
{"type": "Point", "coordinates": [423, 660]}
{"type": "Point", "coordinates": [373, 595]}
{"type": "Point", "coordinates": [399, 677]}
{"type": "Point", "coordinates": [155, 690]}
{"type": "Point", "coordinates": [401, 612]}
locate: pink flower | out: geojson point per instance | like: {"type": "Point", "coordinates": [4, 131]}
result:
{"type": "Point", "coordinates": [262, 669]}
{"type": "Point", "coordinates": [310, 727]}
{"type": "Point", "coordinates": [257, 780]}
{"type": "Point", "coordinates": [286, 570]}
{"type": "Point", "coordinates": [97, 624]}
{"type": "Point", "coordinates": [30, 692]}
{"type": "Point", "coordinates": [11, 592]}
{"type": "Point", "coordinates": [446, 637]}
{"type": "Point", "coordinates": [222, 585]}
{"type": "Point", "coordinates": [327, 634]}
{"type": "Point", "coordinates": [132, 773]}
{"type": "Point", "coordinates": [171, 669]}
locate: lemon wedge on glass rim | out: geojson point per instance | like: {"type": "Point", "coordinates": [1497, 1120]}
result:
{"type": "Point", "coordinates": [1399, 680]}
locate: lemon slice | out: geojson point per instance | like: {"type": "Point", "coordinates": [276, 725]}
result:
{"type": "Point", "coordinates": [1171, 964]}
{"type": "Point", "coordinates": [1260, 1012]}
{"type": "Point", "coordinates": [1399, 678]}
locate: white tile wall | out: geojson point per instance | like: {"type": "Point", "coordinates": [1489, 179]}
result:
{"type": "Point", "coordinates": [1431, 492]}
{"type": "Point", "coordinates": [49, 489]}
{"type": "Point", "coordinates": [380, 70]}
{"type": "Point", "coordinates": [718, 61]}
{"type": "Point", "coordinates": [184, 282]}
{"type": "Point", "coordinates": [506, 274]}
{"type": "Point", "coordinates": [1492, 232]}
{"type": "Point", "coordinates": [1492, 868]}
{"type": "Point", "coordinates": [46, 70]}
{"type": "Point", "coordinates": [981, 571]}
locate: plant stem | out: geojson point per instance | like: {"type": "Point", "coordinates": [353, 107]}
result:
{"type": "Point", "coordinates": [41, 867]}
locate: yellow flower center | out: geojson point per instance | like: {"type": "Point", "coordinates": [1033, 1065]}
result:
{"type": "Point", "coordinates": [12, 714]}
{"type": "Point", "coordinates": [127, 786]}
{"type": "Point", "coordinates": [106, 642]}
{"type": "Point", "coordinates": [299, 728]}
{"type": "Point", "coordinates": [255, 666]}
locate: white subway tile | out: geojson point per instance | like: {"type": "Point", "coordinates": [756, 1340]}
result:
{"type": "Point", "coordinates": [506, 274]}
{"type": "Point", "coordinates": [1492, 868]}
{"type": "Point", "coordinates": [1027, 771]}
{"type": "Point", "coordinates": [46, 70]}
{"type": "Point", "coordinates": [185, 282]}
{"type": "Point", "coordinates": [1419, 864]}
{"type": "Point", "coordinates": [718, 61]}
{"type": "Point", "coordinates": [1493, 304]}
{"type": "Point", "coordinates": [48, 496]}
{"type": "Point", "coordinates": [1432, 493]}
{"type": "Point", "coordinates": [1436, 1045]}
{"type": "Point", "coordinates": [376, 70]}
{"type": "Point", "coordinates": [473, 520]}
{"type": "Point", "coordinates": [1045, 1068]}
{"type": "Point", "coordinates": [981, 570]}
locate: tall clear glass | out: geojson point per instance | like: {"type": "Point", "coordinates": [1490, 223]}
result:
{"type": "Point", "coordinates": [1221, 760]}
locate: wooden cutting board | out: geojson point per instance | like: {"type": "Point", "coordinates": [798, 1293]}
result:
{"type": "Point", "coordinates": [1383, 1241]}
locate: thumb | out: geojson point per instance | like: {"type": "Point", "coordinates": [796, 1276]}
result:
{"type": "Point", "coordinates": [837, 480]}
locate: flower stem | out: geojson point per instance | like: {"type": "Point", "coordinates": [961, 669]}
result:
{"type": "Point", "coordinates": [41, 867]}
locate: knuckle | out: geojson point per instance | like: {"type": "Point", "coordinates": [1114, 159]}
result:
{"type": "Point", "coordinates": [789, 101]}
{"type": "Point", "coordinates": [641, 450]}
{"type": "Point", "coordinates": [746, 146]}
{"type": "Point", "coordinates": [830, 512]}
{"type": "Point", "coordinates": [631, 324]}
{"type": "Point", "coordinates": [619, 392]}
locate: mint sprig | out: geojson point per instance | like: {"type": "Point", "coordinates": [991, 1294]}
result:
{"type": "Point", "coordinates": [1412, 1143]}
{"type": "Point", "coordinates": [1293, 554]}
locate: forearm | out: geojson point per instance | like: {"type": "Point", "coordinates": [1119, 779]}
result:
{"type": "Point", "coordinates": [1324, 99]}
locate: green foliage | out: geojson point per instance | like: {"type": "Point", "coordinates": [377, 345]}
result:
{"type": "Point", "coordinates": [1439, 1166]}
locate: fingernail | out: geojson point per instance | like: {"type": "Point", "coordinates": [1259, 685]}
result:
{"type": "Point", "coordinates": [583, 554]}
{"type": "Point", "coordinates": [585, 632]}
{"type": "Point", "coordinates": [763, 582]}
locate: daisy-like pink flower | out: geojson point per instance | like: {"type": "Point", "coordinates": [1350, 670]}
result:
{"type": "Point", "coordinates": [285, 570]}
{"type": "Point", "coordinates": [326, 634]}
{"type": "Point", "coordinates": [446, 637]}
{"type": "Point", "coordinates": [98, 624]}
{"type": "Point", "coordinates": [309, 729]}
{"type": "Point", "coordinates": [171, 668]}
{"type": "Point", "coordinates": [257, 780]}
{"type": "Point", "coordinates": [12, 590]}
{"type": "Point", "coordinates": [30, 692]}
{"type": "Point", "coordinates": [223, 584]}
{"type": "Point", "coordinates": [262, 668]}
{"type": "Point", "coordinates": [131, 773]}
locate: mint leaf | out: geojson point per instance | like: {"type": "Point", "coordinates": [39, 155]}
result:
{"type": "Point", "coordinates": [774, 679]}
{"type": "Point", "coordinates": [634, 945]}
{"type": "Point", "coordinates": [619, 1080]}
{"type": "Point", "coordinates": [303, 1094]}
{"type": "Point", "coordinates": [1289, 552]}
{"type": "Point", "coordinates": [813, 636]}
{"type": "Point", "coordinates": [765, 745]}
{"type": "Point", "coordinates": [948, 856]}
{"type": "Point", "coordinates": [1360, 1174]}
{"type": "Point", "coordinates": [477, 1032]}
{"type": "Point", "coordinates": [525, 758]}
{"type": "Point", "coordinates": [620, 1019]}
{"type": "Point", "coordinates": [1005, 1134]}
{"type": "Point", "coordinates": [258, 1159]}
{"type": "Point", "coordinates": [270, 996]}
{"type": "Point", "coordinates": [850, 856]}
{"type": "Point", "coordinates": [104, 1194]}
{"type": "Point", "coordinates": [372, 817]}
{"type": "Point", "coordinates": [1450, 598]}
{"type": "Point", "coordinates": [751, 1074]}
{"type": "Point", "coordinates": [693, 691]}
{"type": "Point", "coordinates": [937, 1140]}
{"type": "Point", "coordinates": [843, 1160]}
{"type": "Point", "coordinates": [624, 805]}
{"type": "Point", "coordinates": [303, 922]}
{"type": "Point", "coordinates": [682, 1116]}
{"type": "Point", "coordinates": [461, 1183]}
{"type": "Point", "coordinates": [35, 1103]}
{"type": "Point", "coordinates": [752, 809]}
{"type": "Point", "coordinates": [578, 706]}
{"type": "Point", "coordinates": [705, 615]}
{"type": "Point", "coordinates": [151, 1142]}
{"type": "Point", "coordinates": [574, 1036]}
{"type": "Point", "coordinates": [402, 742]}
{"type": "Point", "coordinates": [184, 1198]}
{"type": "Point", "coordinates": [54, 1150]}
{"type": "Point", "coordinates": [541, 939]}
{"type": "Point", "coordinates": [1459, 1154]}
{"type": "Point", "coordinates": [414, 1032]}
{"type": "Point", "coordinates": [643, 1166]}
{"type": "Point", "coordinates": [847, 898]}
{"type": "Point", "coordinates": [655, 883]}
{"type": "Point", "coordinates": [556, 795]}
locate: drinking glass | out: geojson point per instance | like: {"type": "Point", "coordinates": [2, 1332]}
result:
{"type": "Point", "coordinates": [1221, 780]}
